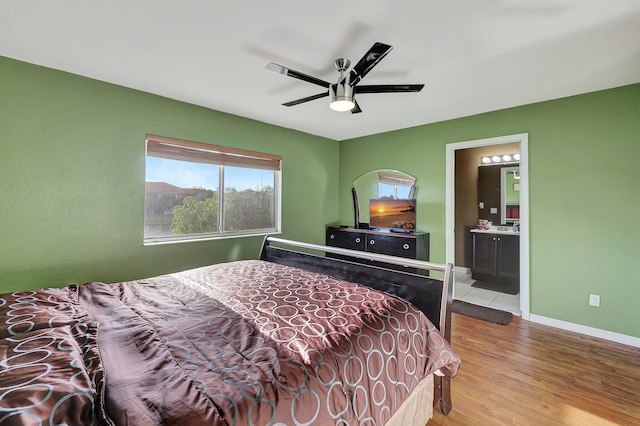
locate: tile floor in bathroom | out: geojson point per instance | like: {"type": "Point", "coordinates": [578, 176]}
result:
{"type": "Point", "coordinates": [478, 296]}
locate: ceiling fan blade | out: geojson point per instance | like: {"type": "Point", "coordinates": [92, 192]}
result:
{"type": "Point", "coordinates": [296, 74]}
{"type": "Point", "coordinates": [368, 61]}
{"type": "Point", "coordinates": [389, 88]}
{"type": "Point", "coordinates": [356, 108]}
{"type": "Point", "coordinates": [307, 99]}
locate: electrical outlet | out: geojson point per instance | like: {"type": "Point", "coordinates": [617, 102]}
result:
{"type": "Point", "coordinates": [594, 300]}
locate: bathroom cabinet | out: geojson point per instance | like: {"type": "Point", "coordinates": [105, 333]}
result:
{"type": "Point", "coordinates": [496, 258]}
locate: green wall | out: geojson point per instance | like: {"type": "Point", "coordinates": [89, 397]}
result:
{"type": "Point", "coordinates": [72, 179]}
{"type": "Point", "coordinates": [584, 172]}
{"type": "Point", "coordinates": [72, 186]}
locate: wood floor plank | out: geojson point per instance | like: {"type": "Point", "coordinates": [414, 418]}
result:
{"type": "Point", "coordinates": [531, 374]}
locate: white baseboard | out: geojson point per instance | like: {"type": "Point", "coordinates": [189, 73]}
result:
{"type": "Point", "coordinates": [589, 331]}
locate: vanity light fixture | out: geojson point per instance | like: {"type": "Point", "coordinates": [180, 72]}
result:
{"type": "Point", "coordinates": [504, 158]}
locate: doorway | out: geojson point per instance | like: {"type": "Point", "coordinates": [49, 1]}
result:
{"type": "Point", "coordinates": [450, 216]}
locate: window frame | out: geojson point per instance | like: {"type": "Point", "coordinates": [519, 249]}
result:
{"type": "Point", "coordinates": [221, 156]}
{"type": "Point", "coordinates": [396, 182]}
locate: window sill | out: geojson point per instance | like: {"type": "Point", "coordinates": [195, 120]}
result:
{"type": "Point", "coordinates": [190, 239]}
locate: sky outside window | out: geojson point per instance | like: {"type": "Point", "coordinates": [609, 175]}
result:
{"type": "Point", "coordinates": [186, 174]}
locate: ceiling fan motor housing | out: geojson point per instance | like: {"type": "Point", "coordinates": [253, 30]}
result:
{"type": "Point", "coordinates": [341, 96]}
{"type": "Point", "coordinates": [341, 93]}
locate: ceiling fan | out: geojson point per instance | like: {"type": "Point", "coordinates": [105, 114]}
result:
{"type": "Point", "coordinates": [342, 93]}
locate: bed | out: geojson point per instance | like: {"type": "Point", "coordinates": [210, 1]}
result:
{"type": "Point", "coordinates": [291, 338]}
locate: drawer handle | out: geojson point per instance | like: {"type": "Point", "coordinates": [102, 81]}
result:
{"type": "Point", "coordinates": [332, 236]}
{"type": "Point", "coordinates": [405, 246]}
{"type": "Point", "coordinates": [357, 240]}
{"type": "Point", "coordinates": [372, 242]}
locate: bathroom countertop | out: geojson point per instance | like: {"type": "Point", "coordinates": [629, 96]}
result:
{"type": "Point", "coordinates": [497, 230]}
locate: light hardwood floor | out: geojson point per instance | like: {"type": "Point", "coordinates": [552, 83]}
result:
{"type": "Point", "coordinates": [531, 374]}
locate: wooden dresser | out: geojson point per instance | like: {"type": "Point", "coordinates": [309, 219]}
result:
{"type": "Point", "coordinates": [413, 246]}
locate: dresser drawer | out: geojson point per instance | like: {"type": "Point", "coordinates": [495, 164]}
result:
{"type": "Point", "coordinates": [392, 245]}
{"type": "Point", "coordinates": [349, 240]}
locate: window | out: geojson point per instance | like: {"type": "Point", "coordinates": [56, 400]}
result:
{"type": "Point", "coordinates": [200, 191]}
{"type": "Point", "coordinates": [394, 186]}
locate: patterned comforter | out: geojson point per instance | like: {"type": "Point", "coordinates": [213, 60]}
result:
{"type": "Point", "coordinates": [240, 343]}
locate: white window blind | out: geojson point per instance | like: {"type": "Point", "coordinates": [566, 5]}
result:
{"type": "Point", "coordinates": [176, 149]}
{"type": "Point", "coordinates": [393, 179]}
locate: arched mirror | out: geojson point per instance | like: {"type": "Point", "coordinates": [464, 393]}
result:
{"type": "Point", "coordinates": [383, 183]}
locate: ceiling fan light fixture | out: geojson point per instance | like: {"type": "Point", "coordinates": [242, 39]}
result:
{"type": "Point", "coordinates": [342, 105]}
{"type": "Point", "coordinates": [341, 97]}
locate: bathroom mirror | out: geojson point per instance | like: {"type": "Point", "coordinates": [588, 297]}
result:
{"type": "Point", "coordinates": [382, 183]}
{"type": "Point", "coordinates": [510, 194]}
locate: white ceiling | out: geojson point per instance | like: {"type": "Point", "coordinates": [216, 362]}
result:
{"type": "Point", "coordinates": [474, 56]}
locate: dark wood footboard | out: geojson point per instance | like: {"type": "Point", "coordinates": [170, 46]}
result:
{"type": "Point", "coordinates": [431, 295]}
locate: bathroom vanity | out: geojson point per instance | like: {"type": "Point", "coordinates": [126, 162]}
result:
{"type": "Point", "coordinates": [496, 257]}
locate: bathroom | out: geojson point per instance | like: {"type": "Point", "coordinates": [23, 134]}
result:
{"type": "Point", "coordinates": [487, 226]}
